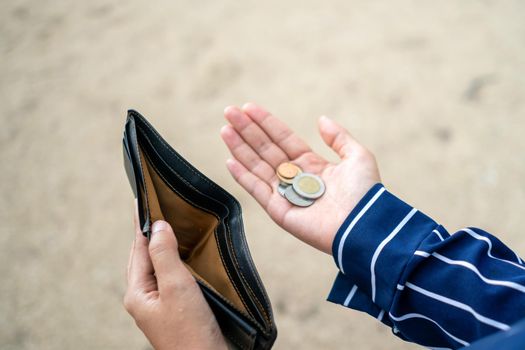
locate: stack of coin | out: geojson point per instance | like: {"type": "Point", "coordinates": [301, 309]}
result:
{"type": "Point", "coordinates": [298, 187]}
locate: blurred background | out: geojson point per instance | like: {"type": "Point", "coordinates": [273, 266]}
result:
{"type": "Point", "coordinates": [435, 89]}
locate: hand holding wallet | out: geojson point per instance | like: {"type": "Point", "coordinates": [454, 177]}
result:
{"type": "Point", "coordinates": [208, 225]}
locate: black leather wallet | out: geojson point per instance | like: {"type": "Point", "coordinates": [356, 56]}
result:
{"type": "Point", "coordinates": [207, 222]}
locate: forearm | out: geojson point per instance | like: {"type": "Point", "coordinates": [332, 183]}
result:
{"type": "Point", "coordinates": [434, 289]}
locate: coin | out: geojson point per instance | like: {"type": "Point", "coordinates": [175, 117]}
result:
{"type": "Point", "coordinates": [296, 199]}
{"type": "Point", "coordinates": [285, 180]}
{"type": "Point", "coordinates": [308, 185]}
{"type": "Point", "coordinates": [281, 188]}
{"type": "Point", "coordinates": [288, 170]}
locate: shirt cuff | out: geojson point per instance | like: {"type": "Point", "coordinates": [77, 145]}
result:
{"type": "Point", "coordinates": [374, 244]}
{"type": "Point", "coordinates": [345, 292]}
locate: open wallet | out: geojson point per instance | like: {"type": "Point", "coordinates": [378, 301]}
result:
{"type": "Point", "coordinates": [207, 222]}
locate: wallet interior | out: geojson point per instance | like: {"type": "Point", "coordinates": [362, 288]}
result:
{"type": "Point", "coordinates": [195, 228]}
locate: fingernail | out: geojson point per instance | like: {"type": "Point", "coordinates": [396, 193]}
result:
{"type": "Point", "coordinates": [324, 117]}
{"type": "Point", "coordinates": [159, 226]}
{"type": "Point", "coordinates": [227, 109]}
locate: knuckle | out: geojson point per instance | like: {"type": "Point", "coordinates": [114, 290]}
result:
{"type": "Point", "coordinates": [369, 155]}
{"type": "Point", "coordinates": [172, 285]}
{"type": "Point", "coordinates": [181, 284]}
{"type": "Point", "coordinates": [140, 318]}
{"type": "Point", "coordinates": [139, 311]}
{"type": "Point", "coordinates": [129, 302]}
{"type": "Point", "coordinates": [283, 135]}
{"type": "Point", "coordinates": [341, 137]}
{"type": "Point", "coordinates": [364, 154]}
{"type": "Point", "coordinates": [163, 242]}
{"type": "Point", "coordinates": [158, 246]}
{"type": "Point", "coordinates": [264, 147]}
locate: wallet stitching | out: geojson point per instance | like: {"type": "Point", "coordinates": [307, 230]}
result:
{"type": "Point", "coordinates": [236, 204]}
{"type": "Point", "coordinates": [230, 335]}
{"type": "Point", "coordinates": [215, 235]}
{"type": "Point", "coordinates": [255, 297]}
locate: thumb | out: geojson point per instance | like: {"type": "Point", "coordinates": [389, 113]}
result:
{"type": "Point", "coordinates": [337, 137]}
{"type": "Point", "coordinates": [164, 254]}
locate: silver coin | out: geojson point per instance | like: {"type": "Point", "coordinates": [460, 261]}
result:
{"type": "Point", "coordinates": [281, 188]}
{"type": "Point", "coordinates": [308, 185]}
{"type": "Point", "coordinates": [296, 199]}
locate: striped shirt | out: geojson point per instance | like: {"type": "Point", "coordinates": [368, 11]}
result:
{"type": "Point", "coordinates": [438, 290]}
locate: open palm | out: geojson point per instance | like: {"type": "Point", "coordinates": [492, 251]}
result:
{"type": "Point", "coordinates": [259, 142]}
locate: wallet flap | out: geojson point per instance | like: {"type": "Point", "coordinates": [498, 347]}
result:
{"type": "Point", "coordinates": [135, 174]}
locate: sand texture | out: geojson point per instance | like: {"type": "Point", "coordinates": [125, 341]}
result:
{"type": "Point", "coordinates": [435, 89]}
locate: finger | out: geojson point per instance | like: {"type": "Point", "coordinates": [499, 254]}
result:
{"type": "Point", "coordinates": [132, 250]}
{"type": "Point", "coordinates": [337, 137]}
{"type": "Point", "coordinates": [278, 131]}
{"type": "Point", "coordinates": [163, 250]}
{"type": "Point", "coordinates": [255, 137]}
{"type": "Point", "coordinates": [135, 225]}
{"type": "Point", "coordinates": [256, 187]}
{"type": "Point", "coordinates": [140, 276]}
{"type": "Point", "coordinates": [246, 155]}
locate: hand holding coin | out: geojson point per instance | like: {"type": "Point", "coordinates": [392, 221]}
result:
{"type": "Point", "coordinates": [301, 191]}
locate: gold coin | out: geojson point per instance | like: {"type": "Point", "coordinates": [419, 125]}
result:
{"type": "Point", "coordinates": [308, 185]}
{"type": "Point", "coordinates": [285, 180]}
{"type": "Point", "coordinates": [288, 170]}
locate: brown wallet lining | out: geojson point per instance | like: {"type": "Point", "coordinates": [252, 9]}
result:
{"type": "Point", "coordinates": [195, 232]}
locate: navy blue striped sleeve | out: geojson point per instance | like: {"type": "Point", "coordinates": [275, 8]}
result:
{"type": "Point", "coordinates": [432, 288]}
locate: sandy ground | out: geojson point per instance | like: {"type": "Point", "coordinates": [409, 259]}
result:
{"type": "Point", "coordinates": [436, 89]}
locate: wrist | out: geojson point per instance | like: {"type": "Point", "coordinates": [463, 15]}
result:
{"type": "Point", "coordinates": [376, 242]}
